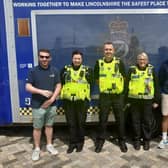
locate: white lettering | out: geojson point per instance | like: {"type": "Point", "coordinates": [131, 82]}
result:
{"type": "Point", "coordinates": [77, 4]}
{"type": "Point", "coordinates": [65, 4]}
{"type": "Point", "coordinates": [106, 3]}
{"type": "Point", "coordinates": [158, 3]}
{"type": "Point", "coordinates": [49, 4]}
{"type": "Point", "coordinates": [140, 3]}
{"type": "Point", "coordinates": [17, 4]}
{"type": "Point", "coordinates": [123, 3]}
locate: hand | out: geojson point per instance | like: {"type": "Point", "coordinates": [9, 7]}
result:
{"type": "Point", "coordinates": [47, 93]}
{"type": "Point", "coordinates": [155, 105]}
{"type": "Point", "coordinates": [47, 103]}
{"type": "Point", "coordinates": [127, 105]}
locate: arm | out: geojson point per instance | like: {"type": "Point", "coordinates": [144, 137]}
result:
{"type": "Point", "coordinates": [156, 99]}
{"type": "Point", "coordinates": [56, 93]}
{"type": "Point", "coordinates": [62, 76]}
{"type": "Point", "coordinates": [30, 88]}
{"type": "Point", "coordinates": [162, 75]}
{"type": "Point", "coordinates": [34, 90]}
{"type": "Point", "coordinates": [90, 76]}
{"type": "Point", "coordinates": [123, 73]}
{"type": "Point", "coordinates": [128, 78]}
{"type": "Point", "coordinates": [96, 72]}
{"type": "Point", "coordinates": [122, 69]}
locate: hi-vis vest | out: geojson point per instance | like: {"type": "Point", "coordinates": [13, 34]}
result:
{"type": "Point", "coordinates": [110, 78]}
{"type": "Point", "coordinates": [76, 86]}
{"type": "Point", "coordinates": [141, 84]}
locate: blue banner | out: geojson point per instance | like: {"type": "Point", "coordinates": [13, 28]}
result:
{"type": "Point", "coordinates": [97, 4]}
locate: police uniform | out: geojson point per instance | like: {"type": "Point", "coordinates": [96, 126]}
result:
{"type": "Point", "coordinates": [76, 95]}
{"type": "Point", "coordinates": [143, 90]}
{"type": "Point", "coordinates": [111, 78]}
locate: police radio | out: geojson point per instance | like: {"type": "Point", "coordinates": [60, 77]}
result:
{"type": "Point", "coordinates": [116, 68]}
{"type": "Point", "coordinates": [68, 76]}
{"type": "Point", "coordinates": [81, 73]}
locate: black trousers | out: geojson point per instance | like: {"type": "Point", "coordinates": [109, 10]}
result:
{"type": "Point", "coordinates": [141, 112]}
{"type": "Point", "coordinates": [76, 112]}
{"type": "Point", "coordinates": [107, 101]}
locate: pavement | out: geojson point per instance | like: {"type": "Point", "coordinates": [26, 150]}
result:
{"type": "Point", "coordinates": [16, 149]}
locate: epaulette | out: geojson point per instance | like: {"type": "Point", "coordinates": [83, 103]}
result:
{"type": "Point", "coordinates": [117, 58]}
{"type": "Point", "coordinates": [149, 65]}
{"type": "Point", "coordinates": [85, 68]}
{"type": "Point", "coordinates": [133, 69]}
{"type": "Point", "coordinates": [133, 66]}
{"type": "Point", "coordinates": [68, 66]}
{"type": "Point", "coordinates": [150, 69]}
{"type": "Point", "coordinates": [101, 60]}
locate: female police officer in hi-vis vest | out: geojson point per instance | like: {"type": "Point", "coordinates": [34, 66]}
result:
{"type": "Point", "coordinates": [143, 95]}
{"type": "Point", "coordinates": [76, 80]}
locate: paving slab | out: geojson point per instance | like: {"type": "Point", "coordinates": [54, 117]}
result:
{"type": "Point", "coordinates": [16, 149]}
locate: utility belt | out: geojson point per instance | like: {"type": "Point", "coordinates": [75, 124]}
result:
{"type": "Point", "coordinates": [75, 93]}
{"type": "Point", "coordinates": [73, 97]}
{"type": "Point", "coordinates": [112, 88]}
{"type": "Point", "coordinates": [141, 96]}
{"type": "Point", "coordinates": [109, 91]}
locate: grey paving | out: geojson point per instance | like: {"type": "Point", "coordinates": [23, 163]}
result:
{"type": "Point", "coordinates": [16, 149]}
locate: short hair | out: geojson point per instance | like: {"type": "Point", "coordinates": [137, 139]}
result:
{"type": "Point", "coordinates": [144, 54]}
{"type": "Point", "coordinates": [44, 50]}
{"type": "Point", "coordinates": [108, 42]}
{"type": "Point", "coordinates": [77, 52]}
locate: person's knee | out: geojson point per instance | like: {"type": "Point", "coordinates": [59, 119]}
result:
{"type": "Point", "coordinates": [50, 117]}
{"type": "Point", "coordinates": [38, 118]}
{"type": "Point", "coordinates": [38, 121]}
{"type": "Point", "coordinates": [165, 118]}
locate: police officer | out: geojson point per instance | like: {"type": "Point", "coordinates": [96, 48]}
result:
{"type": "Point", "coordinates": [109, 73]}
{"type": "Point", "coordinates": [143, 94]}
{"type": "Point", "coordinates": [77, 80]}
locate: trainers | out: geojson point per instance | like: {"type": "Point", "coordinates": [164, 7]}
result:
{"type": "Point", "coordinates": [36, 154]}
{"type": "Point", "coordinates": [162, 144]}
{"type": "Point", "coordinates": [51, 149]}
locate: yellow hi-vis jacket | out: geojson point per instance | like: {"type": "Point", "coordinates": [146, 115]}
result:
{"type": "Point", "coordinates": [141, 85]}
{"type": "Point", "coordinates": [76, 86]}
{"type": "Point", "coordinates": [110, 79]}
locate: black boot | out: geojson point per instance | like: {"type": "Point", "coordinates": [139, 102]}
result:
{"type": "Point", "coordinates": [99, 146]}
{"type": "Point", "coordinates": [123, 146]}
{"type": "Point", "coordinates": [79, 147]}
{"type": "Point", "coordinates": [146, 145]}
{"type": "Point", "coordinates": [71, 148]}
{"type": "Point", "coordinates": [137, 145]}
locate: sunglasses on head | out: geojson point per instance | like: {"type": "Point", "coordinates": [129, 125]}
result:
{"type": "Point", "coordinates": [46, 57]}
